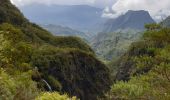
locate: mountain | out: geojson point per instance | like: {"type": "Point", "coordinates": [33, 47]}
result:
{"type": "Point", "coordinates": [64, 31]}
{"type": "Point", "coordinates": [119, 33]}
{"type": "Point", "coordinates": [131, 19]}
{"type": "Point", "coordinates": [166, 22]}
{"type": "Point", "coordinates": [80, 17]}
{"type": "Point", "coordinates": [32, 60]}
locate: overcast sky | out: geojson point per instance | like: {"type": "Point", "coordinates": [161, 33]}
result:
{"type": "Point", "coordinates": [113, 8]}
{"type": "Point", "coordinates": [98, 3]}
{"type": "Point", "coordinates": [158, 9]}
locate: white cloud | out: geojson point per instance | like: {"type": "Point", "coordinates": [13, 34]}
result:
{"type": "Point", "coordinates": [49, 2]}
{"type": "Point", "coordinates": [98, 3]}
{"type": "Point", "coordinates": [157, 8]}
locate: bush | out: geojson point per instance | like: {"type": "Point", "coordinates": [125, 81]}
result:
{"type": "Point", "coordinates": [17, 87]}
{"type": "Point", "coordinates": [144, 87]}
{"type": "Point", "coordinates": [54, 96]}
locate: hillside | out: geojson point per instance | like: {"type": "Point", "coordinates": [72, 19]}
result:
{"type": "Point", "coordinates": [33, 61]}
{"type": "Point", "coordinates": [143, 72]}
{"type": "Point", "coordinates": [119, 33]}
{"type": "Point", "coordinates": [64, 31]}
{"type": "Point", "coordinates": [112, 45]}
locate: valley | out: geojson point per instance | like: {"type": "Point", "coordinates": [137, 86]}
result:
{"type": "Point", "coordinates": [72, 52]}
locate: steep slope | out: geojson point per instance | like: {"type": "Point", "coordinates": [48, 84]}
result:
{"type": "Point", "coordinates": [34, 33]}
{"type": "Point", "coordinates": [79, 17]}
{"type": "Point", "coordinates": [119, 33]}
{"type": "Point", "coordinates": [131, 19]}
{"type": "Point", "coordinates": [144, 70]}
{"type": "Point", "coordinates": [148, 47]}
{"type": "Point", "coordinates": [64, 31]}
{"type": "Point", "coordinates": [75, 72]}
{"type": "Point", "coordinates": [33, 49]}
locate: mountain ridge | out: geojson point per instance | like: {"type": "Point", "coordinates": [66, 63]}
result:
{"type": "Point", "coordinates": [79, 17]}
{"type": "Point", "coordinates": [131, 19]}
{"type": "Point", "coordinates": [64, 31]}
{"type": "Point", "coordinates": [119, 33]}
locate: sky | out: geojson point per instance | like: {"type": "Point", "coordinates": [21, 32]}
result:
{"type": "Point", "coordinates": [97, 3]}
{"type": "Point", "coordinates": [159, 9]}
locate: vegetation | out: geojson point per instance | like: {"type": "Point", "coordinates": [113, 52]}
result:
{"type": "Point", "coordinates": [32, 61]}
{"type": "Point", "coordinates": [54, 96]}
{"type": "Point", "coordinates": [15, 72]}
{"type": "Point", "coordinates": [73, 79]}
{"type": "Point", "coordinates": [145, 68]}
{"type": "Point", "coordinates": [35, 65]}
{"type": "Point", "coordinates": [113, 45]}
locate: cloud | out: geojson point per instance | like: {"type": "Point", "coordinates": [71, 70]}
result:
{"type": "Point", "coordinates": [49, 2]}
{"type": "Point", "coordinates": [113, 8]}
{"type": "Point", "coordinates": [158, 9]}
{"type": "Point", "coordinates": [97, 3]}
{"type": "Point", "coordinates": [104, 3]}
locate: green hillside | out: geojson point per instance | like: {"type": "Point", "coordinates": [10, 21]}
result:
{"type": "Point", "coordinates": [64, 31]}
{"type": "Point", "coordinates": [113, 45]}
{"type": "Point", "coordinates": [143, 72]}
{"type": "Point", "coordinates": [34, 33]}
{"type": "Point", "coordinates": [33, 61]}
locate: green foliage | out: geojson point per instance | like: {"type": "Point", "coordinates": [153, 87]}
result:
{"type": "Point", "coordinates": [144, 87]}
{"type": "Point", "coordinates": [35, 34]}
{"type": "Point", "coordinates": [13, 52]}
{"type": "Point", "coordinates": [73, 65]}
{"type": "Point", "coordinates": [54, 96]}
{"type": "Point", "coordinates": [67, 63]}
{"type": "Point", "coordinates": [147, 66]}
{"type": "Point", "coordinates": [75, 70]}
{"type": "Point", "coordinates": [113, 45]}
{"type": "Point", "coordinates": [26, 89]}
{"type": "Point", "coordinates": [16, 82]}
{"type": "Point", "coordinates": [10, 14]}
{"type": "Point", "coordinates": [18, 87]}
{"type": "Point", "coordinates": [7, 86]}
{"type": "Point", "coordinates": [152, 26]}
{"type": "Point", "coordinates": [160, 36]}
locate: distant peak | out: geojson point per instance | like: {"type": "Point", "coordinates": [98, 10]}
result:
{"type": "Point", "coordinates": [138, 11]}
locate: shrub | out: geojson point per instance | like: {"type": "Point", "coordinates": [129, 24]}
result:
{"type": "Point", "coordinates": [54, 96]}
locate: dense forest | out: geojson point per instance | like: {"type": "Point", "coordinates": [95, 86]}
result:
{"type": "Point", "coordinates": [36, 65]}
